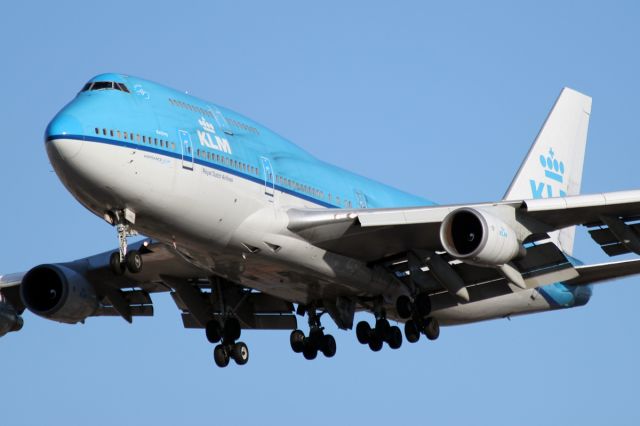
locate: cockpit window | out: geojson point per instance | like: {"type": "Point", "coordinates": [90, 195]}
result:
{"type": "Point", "coordinates": [122, 87]}
{"type": "Point", "coordinates": [104, 85]}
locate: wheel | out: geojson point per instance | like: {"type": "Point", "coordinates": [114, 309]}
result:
{"type": "Point", "coordinates": [411, 331]}
{"type": "Point", "coordinates": [363, 331]}
{"type": "Point", "coordinates": [231, 330]}
{"type": "Point", "coordinates": [423, 304]}
{"type": "Point", "coordinates": [220, 356]}
{"type": "Point", "coordinates": [133, 261]}
{"type": "Point", "coordinates": [310, 351]}
{"type": "Point", "coordinates": [213, 331]}
{"type": "Point", "coordinates": [394, 337]}
{"type": "Point", "coordinates": [297, 341]}
{"type": "Point", "coordinates": [375, 342]}
{"type": "Point", "coordinates": [240, 353]}
{"type": "Point", "coordinates": [328, 346]}
{"type": "Point", "coordinates": [382, 326]}
{"type": "Point", "coordinates": [117, 267]}
{"type": "Point", "coordinates": [316, 337]}
{"type": "Point", "coordinates": [404, 307]}
{"type": "Point", "coordinates": [432, 329]}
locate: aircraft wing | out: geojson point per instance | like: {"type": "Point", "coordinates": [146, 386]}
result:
{"type": "Point", "coordinates": [409, 239]}
{"type": "Point", "coordinates": [165, 270]}
{"type": "Point", "coordinates": [594, 274]}
{"type": "Point", "coordinates": [374, 234]}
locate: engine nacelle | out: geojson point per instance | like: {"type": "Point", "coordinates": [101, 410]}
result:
{"type": "Point", "coordinates": [58, 293]}
{"type": "Point", "coordinates": [9, 318]}
{"type": "Point", "coordinates": [475, 236]}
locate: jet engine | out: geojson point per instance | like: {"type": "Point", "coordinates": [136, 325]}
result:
{"type": "Point", "coordinates": [475, 236]}
{"type": "Point", "coordinates": [58, 293]}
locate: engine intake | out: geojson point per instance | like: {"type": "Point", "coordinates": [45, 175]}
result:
{"type": "Point", "coordinates": [478, 237]}
{"type": "Point", "coordinates": [58, 293]}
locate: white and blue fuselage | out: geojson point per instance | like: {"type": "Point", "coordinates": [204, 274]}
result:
{"type": "Point", "coordinates": [217, 186]}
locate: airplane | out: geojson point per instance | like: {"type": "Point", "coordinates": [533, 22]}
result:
{"type": "Point", "coordinates": [246, 230]}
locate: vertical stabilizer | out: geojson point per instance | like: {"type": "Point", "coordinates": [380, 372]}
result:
{"type": "Point", "coordinates": [553, 166]}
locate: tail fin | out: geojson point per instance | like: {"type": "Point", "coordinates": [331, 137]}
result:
{"type": "Point", "coordinates": [553, 166]}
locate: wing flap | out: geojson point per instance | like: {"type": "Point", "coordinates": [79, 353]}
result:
{"type": "Point", "coordinates": [593, 274]}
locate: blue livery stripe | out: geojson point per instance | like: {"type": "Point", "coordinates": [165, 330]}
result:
{"type": "Point", "coordinates": [177, 156]}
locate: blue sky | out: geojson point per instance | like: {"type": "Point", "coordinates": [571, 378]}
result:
{"type": "Point", "coordinates": [441, 99]}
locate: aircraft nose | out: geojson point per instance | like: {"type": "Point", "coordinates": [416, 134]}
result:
{"type": "Point", "coordinates": [64, 135]}
{"type": "Point", "coordinates": [63, 124]}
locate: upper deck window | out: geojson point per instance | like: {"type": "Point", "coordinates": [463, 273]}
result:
{"type": "Point", "coordinates": [104, 85]}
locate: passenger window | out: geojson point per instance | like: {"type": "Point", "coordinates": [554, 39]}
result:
{"type": "Point", "coordinates": [104, 132]}
{"type": "Point", "coordinates": [126, 136]}
{"type": "Point", "coordinates": [119, 134]}
{"type": "Point", "coordinates": [111, 132]}
{"type": "Point", "coordinates": [97, 131]}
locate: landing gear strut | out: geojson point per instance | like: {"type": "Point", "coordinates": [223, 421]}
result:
{"type": "Point", "coordinates": [382, 332]}
{"type": "Point", "coordinates": [123, 260]}
{"type": "Point", "coordinates": [228, 348]}
{"type": "Point", "coordinates": [316, 342]}
{"type": "Point", "coordinates": [417, 314]}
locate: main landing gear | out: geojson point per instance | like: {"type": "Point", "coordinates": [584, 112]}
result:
{"type": "Point", "coordinates": [382, 332]}
{"type": "Point", "coordinates": [124, 260]}
{"type": "Point", "coordinates": [228, 348]}
{"type": "Point", "coordinates": [316, 342]}
{"type": "Point", "coordinates": [416, 313]}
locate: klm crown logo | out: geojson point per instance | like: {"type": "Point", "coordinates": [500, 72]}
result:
{"type": "Point", "coordinates": [206, 126]}
{"type": "Point", "coordinates": [554, 169]}
{"type": "Point", "coordinates": [554, 174]}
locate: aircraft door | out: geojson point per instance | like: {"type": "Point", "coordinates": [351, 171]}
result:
{"type": "Point", "coordinates": [268, 177]}
{"type": "Point", "coordinates": [361, 199]}
{"type": "Point", "coordinates": [221, 121]}
{"type": "Point", "coordinates": [187, 149]}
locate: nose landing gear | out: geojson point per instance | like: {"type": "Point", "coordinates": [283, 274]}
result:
{"type": "Point", "coordinates": [123, 260]}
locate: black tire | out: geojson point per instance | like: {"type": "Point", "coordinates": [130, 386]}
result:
{"type": "Point", "coordinates": [297, 341]}
{"type": "Point", "coordinates": [221, 356]}
{"type": "Point", "coordinates": [316, 337]}
{"type": "Point", "coordinates": [375, 342]}
{"type": "Point", "coordinates": [404, 307]}
{"type": "Point", "coordinates": [116, 266]}
{"type": "Point", "coordinates": [395, 337]}
{"type": "Point", "coordinates": [363, 331]}
{"type": "Point", "coordinates": [382, 328]}
{"type": "Point", "coordinates": [310, 351]}
{"type": "Point", "coordinates": [231, 330]}
{"type": "Point", "coordinates": [432, 329]}
{"type": "Point", "coordinates": [411, 331]}
{"type": "Point", "coordinates": [133, 261]}
{"type": "Point", "coordinates": [213, 331]}
{"type": "Point", "coordinates": [240, 353]}
{"type": "Point", "coordinates": [328, 346]}
{"type": "Point", "coordinates": [423, 305]}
